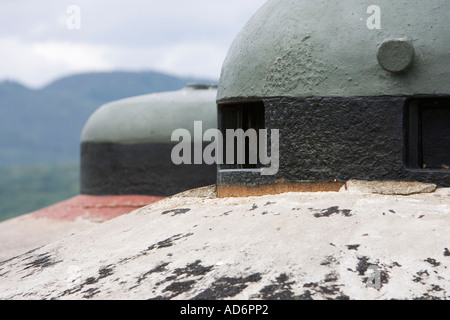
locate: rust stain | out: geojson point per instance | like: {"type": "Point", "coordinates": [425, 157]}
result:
{"type": "Point", "coordinates": [273, 189]}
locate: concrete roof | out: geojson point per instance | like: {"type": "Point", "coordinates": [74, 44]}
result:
{"type": "Point", "coordinates": [304, 48]}
{"type": "Point", "coordinates": [29, 231]}
{"type": "Point", "coordinates": [294, 245]}
{"type": "Point", "coordinates": [152, 118]}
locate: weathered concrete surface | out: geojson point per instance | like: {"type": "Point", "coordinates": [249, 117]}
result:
{"type": "Point", "coordinates": [401, 188]}
{"type": "Point", "coordinates": [53, 223]}
{"type": "Point", "coordinates": [294, 245]}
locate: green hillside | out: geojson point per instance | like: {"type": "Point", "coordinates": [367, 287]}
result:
{"type": "Point", "coordinates": [40, 132]}
{"type": "Point", "coordinates": [44, 126]}
{"type": "Point", "coordinates": [27, 188]}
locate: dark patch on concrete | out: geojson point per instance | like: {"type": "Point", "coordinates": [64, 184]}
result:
{"type": "Point", "coordinates": [69, 292]}
{"type": "Point", "coordinates": [363, 265]}
{"type": "Point", "coordinates": [193, 269]}
{"type": "Point", "coordinates": [431, 293]}
{"type": "Point", "coordinates": [103, 273]}
{"type": "Point", "coordinates": [42, 261]}
{"type": "Point", "coordinates": [331, 211]}
{"type": "Point", "coordinates": [328, 261]}
{"type": "Point", "coordinates": [159, 298]}
{"type": "Point", "coordinates": [226, 213]}
{"type": "Point", "coordinates": [310, 285]}
{"type": "Point", "coordinates": [331, 277]}
{"type": "Point", "coordinates": [265, 213]}
{"type": "Point", "coordinates": [427, 296]}
{"type": "Point", "coordinates": [3, 274]}
{"type": "Point", "coordinates": [353, 247]}
{"type": "Point", "coordinates": [446, 252]}
{"type": "Point", "coordinates": [343, 297]}
{"type": "Point", "coordinates": [178, 288]}
{"type": "Point", "coordinates": [91, 292]}
{"type": "Point", "coordinates": [162, 244]}
{"type": "Point", "coordinates": [330, 290]}
{"type": "Point", "coordinates": [391, 211]}
{"type": "Point", "coordinates": [254, 207]}
{"type": "Point", "coordinates": [325, 289]}
{"type": "Point", "coordinates": [167, 242]}
{"type": "Point", "coordinates": [176, 211]}
{"type": "Point", "coordinates": [227, 287]}
{"type": "Point", "coordinates": [27, 256]}
{"type": "Point", "coordinates": [280, 289]}
{"type": "Point", "coordinates": [420, 274]}
{"type": "Point", "coordinates": [435, 287]}
{"type": "Point", "coordinates": [90, 280]}
{"type": "Point", "coordinates": [433, 262]}
{"type": "Point", "coordinates": [144, 276]}
{"type": "Point", "coordinates": [306, 296]}
{"type": "Point", "coordinates": [395, 264]}
{"type": "Point", "coordinates": [420, 217]}
{"type": "Point", "coordinates": [269, 203]}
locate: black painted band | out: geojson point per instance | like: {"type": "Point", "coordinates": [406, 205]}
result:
{"type": "Point", "coordinates": [138, 169]}
{"type": "Point", "coordinates": [341, 138]}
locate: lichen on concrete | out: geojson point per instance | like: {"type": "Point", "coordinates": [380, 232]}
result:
{"type": "Point", "coordinates": [287, 253]}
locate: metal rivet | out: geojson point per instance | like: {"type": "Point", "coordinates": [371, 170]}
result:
{"type": "Point", "coordinates": [395, 55]}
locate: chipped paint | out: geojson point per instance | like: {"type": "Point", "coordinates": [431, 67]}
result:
{"type": "Point", "coordinates": [206, 254]}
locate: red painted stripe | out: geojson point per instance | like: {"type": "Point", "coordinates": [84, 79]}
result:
{"type": "Point", "coordinates": [94, 208]}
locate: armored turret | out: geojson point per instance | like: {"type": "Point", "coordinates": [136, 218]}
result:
{"type": "Point", "coordinates": [126, 145]}
{"type": "Point", "coordinates": [356, 90]}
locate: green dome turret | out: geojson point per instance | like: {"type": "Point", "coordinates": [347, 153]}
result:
{"type": "Point", "coordinates": [330, 47]}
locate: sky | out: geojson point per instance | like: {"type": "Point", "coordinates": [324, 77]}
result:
{"type": "Point", "coordinates": [43, 40]}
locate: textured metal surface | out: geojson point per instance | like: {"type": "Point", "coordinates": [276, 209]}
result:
{"type": "Point", "coordinates": [142, 169]}
{"type": "Point", "coordinates": [302, 48]}
{"type": "Point", "coordinates": [152, 118]}
{"type": "Point", "coordinates": [334, 139]}
{"type": "Point", "coordinates": [396, 55]}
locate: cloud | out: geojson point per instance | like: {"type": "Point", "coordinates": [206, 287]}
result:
{"type": "Point", "coordinates": [38, 63]}
{"type": "Point", "coordinates": [175, 36]}
{"type": "Point", "coordinates": [71, 56]}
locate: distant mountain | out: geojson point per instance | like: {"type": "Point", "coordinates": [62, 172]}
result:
{"type": "Point", "coordinates": [44, 126]}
